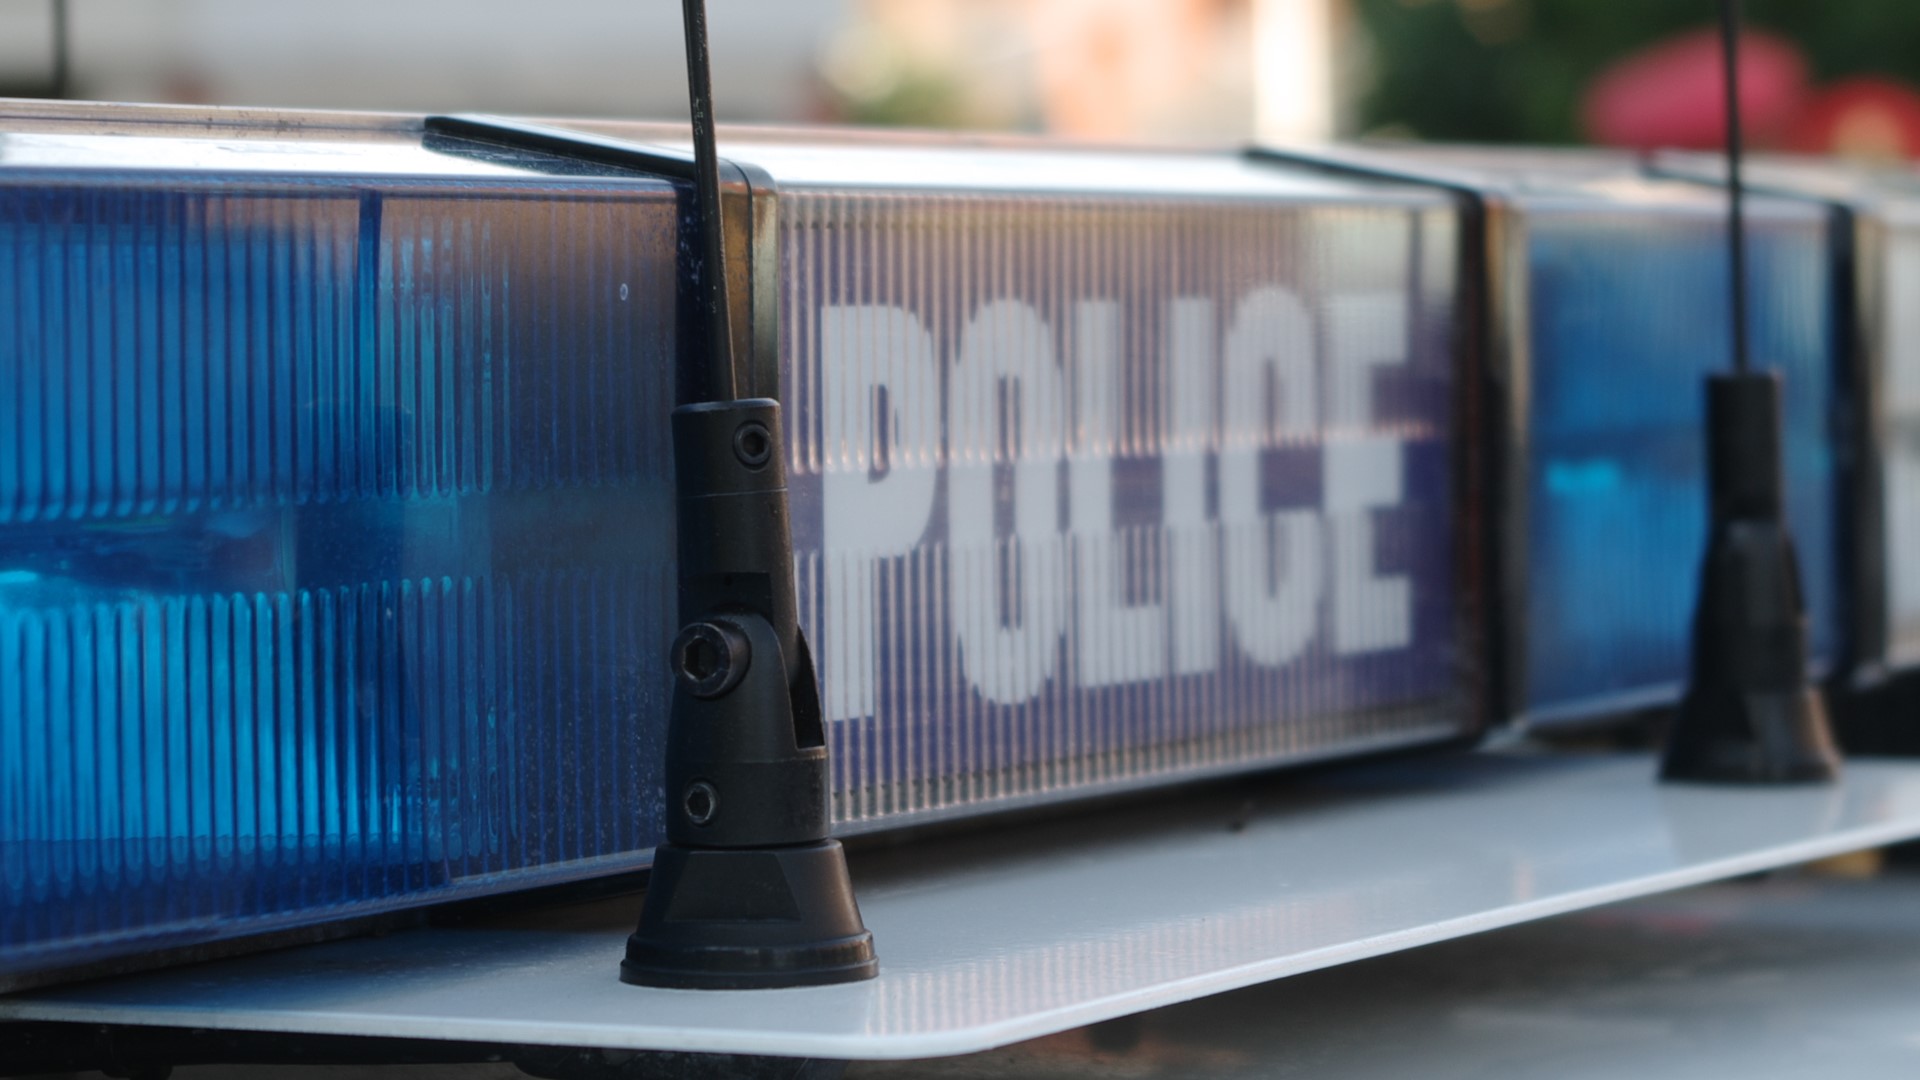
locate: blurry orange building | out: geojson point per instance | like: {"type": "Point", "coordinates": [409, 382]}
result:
{"type": "Point", "coordinates": [1101, 69]}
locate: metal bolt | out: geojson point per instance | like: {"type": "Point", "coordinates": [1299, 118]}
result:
{"type": "Point", "coordinates": [753, 444]}
{"type": "Point", "coordinates": [711, 657]}
{"type": "Point", "coordinates": [702, 801]}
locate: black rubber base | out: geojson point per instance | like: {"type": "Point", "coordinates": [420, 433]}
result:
{"type": "Point", "coordinates": [1779, 738]}
{"type": "Point", "coordinates": [759, 918]}
{"type": "Point", "coordinates": [1750, 715]}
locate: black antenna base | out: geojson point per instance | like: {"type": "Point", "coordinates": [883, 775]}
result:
{"type": "Point", "coordinates": [1750, 714]}
{"type": "Point", "coordinates": [759, 918]}
{"type": "Point", "coordinates": [748, 891]}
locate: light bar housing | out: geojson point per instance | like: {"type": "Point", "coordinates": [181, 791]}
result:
{"type": "Point", "coordinates": [336, 526]}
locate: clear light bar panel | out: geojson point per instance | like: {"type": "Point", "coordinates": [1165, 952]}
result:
{"type": "Point", "coordinates": [1628, 314]}
{"type": "Point", "coordinates": [1111, 471]}
{"type": "Point", "coordinates": [1900, 442]}
{"type": "Point", "coordinates": [333, 566]}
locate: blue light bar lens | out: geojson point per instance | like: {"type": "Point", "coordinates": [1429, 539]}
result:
{"type": "Point", "coordinates": [332, 567]}
{"type": "Point", "coordinates": [1627, 319]}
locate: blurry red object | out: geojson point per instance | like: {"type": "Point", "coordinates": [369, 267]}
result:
{"type": "Point", "coordinates": [1669, 95]}
{"type": "Point", "coordinates": [1869, 118]}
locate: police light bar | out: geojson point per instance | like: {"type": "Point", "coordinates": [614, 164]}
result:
{"type": "Point", "coordinates": [336, 513]}
{"type": "Point", "coordinates": [1878, 250]}
{"type": "Point", "coordinates": [1605, 297]}
{"type": "Point", "coordinates": [1114, 468]}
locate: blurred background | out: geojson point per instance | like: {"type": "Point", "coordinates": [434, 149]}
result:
{"type": "Point", "coordinates": [1817, 76]}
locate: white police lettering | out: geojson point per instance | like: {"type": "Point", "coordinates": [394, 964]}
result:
{"type": "Point", "coordinates": [877, 501]}
{"type": "Point", "coordinates": [1272, 559]}
{"type": "Point", "coordinates": [1278, 378]}
{"type": "Point", "coordinates": [1006, 405]}
{"type": "Point", "coordinates": [1361, 473]}
{"type": "Point", "coordinates": [1116, 642]}
{"type": "Point", "coordinates": [1193, 545]}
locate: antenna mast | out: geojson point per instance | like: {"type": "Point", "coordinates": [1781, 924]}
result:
{"type": "Point", "coordinates": [1736, 191]}
{"type": "Point", "coordinates": [749, 891]}
{"type": "Point", "coordinates": [62, 74]}
{"type": "Point", "coordinates": [720, 381]}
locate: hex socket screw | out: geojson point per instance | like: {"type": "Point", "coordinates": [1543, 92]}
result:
{"type": "Point", "coordinates": [711, 657]}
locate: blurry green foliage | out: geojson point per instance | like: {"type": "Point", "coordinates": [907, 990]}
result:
{"type": "Point", "coordinates": [915, 100]}
{"type": "Point", "coordinates": [1514, 70]}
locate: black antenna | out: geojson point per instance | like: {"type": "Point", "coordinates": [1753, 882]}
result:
{"type": "Point", "coordinates": [749, 891]}
{"type": "Point", "coordinates": [61, 71]}
{"type": "Point", "coordinates": [1750, 715]}
{"type": "Point", "coordinates": [707, 210]}
{"type": "Point", "coordinates": [1736, 191]}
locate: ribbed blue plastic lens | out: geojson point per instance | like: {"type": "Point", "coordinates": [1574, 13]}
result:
{"type": "Point", "coordinates": [333, 564]}
{"type": "Point", "coordinates": [1628, 315]}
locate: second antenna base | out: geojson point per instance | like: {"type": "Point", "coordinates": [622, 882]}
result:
{"type": "Point", "coordinates": [1729, 737]}
{"type": "Point", "coordinates": [1750, 714]}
